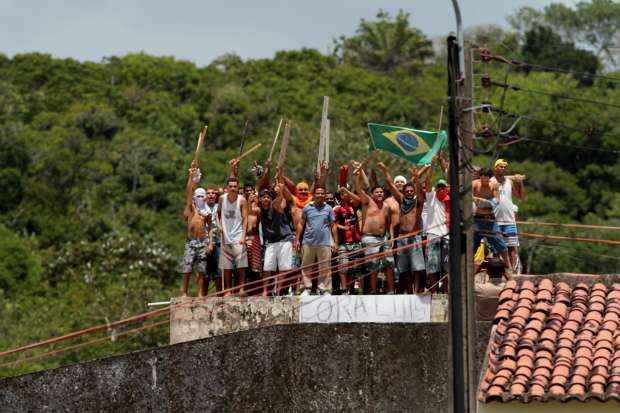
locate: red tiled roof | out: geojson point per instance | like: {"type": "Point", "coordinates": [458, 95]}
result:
{"type": "Point", "coordinates": [554, 342]}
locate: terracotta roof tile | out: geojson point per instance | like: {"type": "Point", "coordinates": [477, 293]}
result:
{"type": "Point", "coordinates": [554, 342]}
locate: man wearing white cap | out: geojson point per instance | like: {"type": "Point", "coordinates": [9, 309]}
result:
{"type": "Point", "coordinates": [198, 244]}
{"type": "Point", "coordinates": [505, 212]}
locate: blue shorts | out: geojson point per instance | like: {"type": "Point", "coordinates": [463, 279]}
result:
{"type": "Point", "coordinates": [488, 229]}
{"type": "Point", "coordinates": [509, 232]}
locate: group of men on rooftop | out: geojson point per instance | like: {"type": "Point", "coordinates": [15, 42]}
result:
{"type": "Point", "coordinates": [280, 238]}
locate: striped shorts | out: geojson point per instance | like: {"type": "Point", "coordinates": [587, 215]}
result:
{"type": "Point", "coordinates": [509, 231]}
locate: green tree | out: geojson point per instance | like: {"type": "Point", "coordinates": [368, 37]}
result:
{"type": "Point", "coordinates": [386, 45]}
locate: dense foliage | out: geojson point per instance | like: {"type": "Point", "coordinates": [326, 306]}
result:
{"type": "Point", "coordinates": [94, 155]}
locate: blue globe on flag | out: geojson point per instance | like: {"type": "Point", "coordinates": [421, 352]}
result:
{"type": "Point", "coordinates": [407, 141]}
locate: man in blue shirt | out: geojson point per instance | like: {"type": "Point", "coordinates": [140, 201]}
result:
{"type": "Point", "coordinates": [315, 236]}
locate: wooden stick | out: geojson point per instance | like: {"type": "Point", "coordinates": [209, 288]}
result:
{"type": "Point", "coordinates": [201, 139]}
{"type": "Point", "coordinates": [327, 126]}
{"type": "Point", "coordinates": [249, 151]}
{"type": "Point", "coordinates": [273, 145]}
{"type": "Point", "coordinates": [440, 119]}
{"type": "Point", "coordinates": [245, 130]}
{"type": "Point", "coordinates": [285, 140]}
{"type": "Point", "coordinates": [322, 138]}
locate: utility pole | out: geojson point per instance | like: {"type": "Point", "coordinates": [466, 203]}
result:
{"type": "Point", "coordinates": [462, 322]}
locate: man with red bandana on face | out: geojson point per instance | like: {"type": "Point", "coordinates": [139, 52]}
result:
{"type": "Point", "coordinates": [436, 212]}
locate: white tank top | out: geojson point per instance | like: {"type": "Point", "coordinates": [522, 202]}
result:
{"type": "Point", "coordinates": [505, 210]}
{"type": "Point", "coordinates": [232, 221]}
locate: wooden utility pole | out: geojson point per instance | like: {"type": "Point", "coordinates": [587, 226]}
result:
{"type": "Point", "coordinates": [462, 322]}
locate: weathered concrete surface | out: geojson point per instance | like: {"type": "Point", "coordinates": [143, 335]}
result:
{"type": "Point", "coordinates": [215, 316]}
{"type": "Point", "coordinates": [199, 318]}
{"type": "Point", "coordinates": [303, 367]}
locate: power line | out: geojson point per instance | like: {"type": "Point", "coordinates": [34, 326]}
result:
{"type": "Point", "coordinates": [85, 344]}
{"type": "Point", "coordinates": [585, 148]}
{"type": "Point", "coordinates": [486, 56]}
{"type": "Point", "coordinates": [577, 239]}
{"type": "Point", "coordinates": [585, 131]}
{"type": "Point", "coordinates": [574, 249]}
{"type": "Point", "coordinates": [582, 226]}
{"type": "Point", "coordinates": [517, 88]}
{"type": "Point", "coordinates": [293, 274]}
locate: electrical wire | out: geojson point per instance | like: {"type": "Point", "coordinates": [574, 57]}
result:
{"type": "Point", "coordinates": [486, 54]}
{"type": "Point", "coordinates": [581, 226]}
{"type": "Point", "coordinates": [554, 95]}
{"type": "Point", "coordinates": [561, 238]}
{"type": "Point", "coordinates": [85, 344]}
{"type": "Point", "coordinates": [295, 274]}
{"type": "Point", "coordinates": [568, 145]}
{"type": "Point", "coordinates": [340, 267]}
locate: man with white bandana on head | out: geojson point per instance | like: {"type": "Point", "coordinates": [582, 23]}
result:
{"type": "Point", "coordinates": [198, 244]}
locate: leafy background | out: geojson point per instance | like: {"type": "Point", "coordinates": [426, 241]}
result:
{"type": "Point", "coordinates": [94, 154]}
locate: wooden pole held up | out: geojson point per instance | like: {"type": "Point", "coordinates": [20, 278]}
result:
{"type": "Point", "coordinates": [201, 139]}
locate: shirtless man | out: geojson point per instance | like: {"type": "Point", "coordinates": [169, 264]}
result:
{"type": "Point", "coordinates": [410, 261]}
{"type": "Point", "coordinates": [485, 225]}
{"type": "Point", "coordinates": [233, 216]}
{"type": "Point", "coordinates": [375, 223]}
{"type": "Point", "coordinates": [394, 208]}
{"type": "Point", "coordinates": [254, 247]}
{"type": "Point", "coordinates": [199, 243]}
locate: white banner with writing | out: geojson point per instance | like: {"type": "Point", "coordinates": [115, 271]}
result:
{"type": "Point", "coordinates": [365, 309]}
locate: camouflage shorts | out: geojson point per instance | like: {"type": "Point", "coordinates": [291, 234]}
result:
{"type": "Point", "coordinates": [195, 255]}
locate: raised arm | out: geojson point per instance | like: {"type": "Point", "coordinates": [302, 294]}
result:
{"type": "Point", "coordinates": [357, 172]}
{"type": "Point", "coordinates": [234, 167]}
{"type": "Point", "coordinates": [429, 177]}
{"type": "Point", "coordinates": [192, 181]}
{"type": "Point", "coordinates": [324, 171]}
{"type": "Point", "coordinates": [289, 184]}
{"type": "Point", "coordinates": [518, 188]}
{"type": "Point", "coordinates": [355, 200]}
{"type": "Point", "coordinates": [360, 166]}
{"type": "Point", "coordinates": [388, 178]}
{"type": "Point", "coordinates": [263, 181]}
{"type": "Point", "coordinates": [284, 192]}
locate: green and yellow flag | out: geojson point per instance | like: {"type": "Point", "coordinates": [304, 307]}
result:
{"type": "Point", "coordinates": [415, 146]}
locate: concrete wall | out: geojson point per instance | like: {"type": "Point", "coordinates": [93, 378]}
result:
{"type": "Point", "coordinates": [200, 318]}
{"type": "Point", "coordinates": [309, 367]}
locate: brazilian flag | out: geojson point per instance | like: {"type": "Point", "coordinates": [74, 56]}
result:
{"type": "Point", "coordinates": [415, 146]}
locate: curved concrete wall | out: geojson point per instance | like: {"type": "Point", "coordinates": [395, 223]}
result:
{"type": "Point", "coordinates": [311, 367]}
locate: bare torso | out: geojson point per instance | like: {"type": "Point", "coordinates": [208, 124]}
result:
{"type": "Point", "coordinates": [253, 215]}
{"type": "Point", "coordinates": [410, 222]}
{"type": "Point", "coordinates": [196, 225]}
{"type": "Point", "coordinates": [484, 192]}
{"type": "Point", "coordinates": [375, 218]}
{"type": "Point", "coordinates": [392, 204]}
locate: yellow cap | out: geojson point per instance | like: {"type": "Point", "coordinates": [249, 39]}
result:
{"type": "Point", "coordinates": [500, 162]}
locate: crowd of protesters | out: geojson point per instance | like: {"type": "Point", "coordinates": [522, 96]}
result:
{"type": "Point", "coordinates": [276, 237]}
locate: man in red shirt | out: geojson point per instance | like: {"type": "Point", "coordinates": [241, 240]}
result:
{"type": "Point", "coordinates": [347, 237]}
